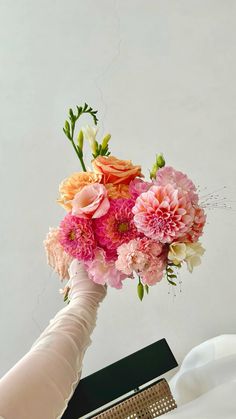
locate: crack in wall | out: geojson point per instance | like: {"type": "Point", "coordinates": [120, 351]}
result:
{"type": "Point", "coordinates": [109, 65]}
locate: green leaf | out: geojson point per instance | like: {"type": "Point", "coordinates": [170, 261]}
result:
{"type": "Point", "coordinates": [172, 283]}
{"type": "Point", "coordinates": [172, 276]}
{"type": "Point", "coordinates": [146, 288]}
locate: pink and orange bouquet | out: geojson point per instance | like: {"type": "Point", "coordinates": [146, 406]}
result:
{"type": "Point", "coordinates": [121, 226]}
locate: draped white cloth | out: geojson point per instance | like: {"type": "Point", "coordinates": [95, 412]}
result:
{"type": "Point", "coordinates": [40, 385]}
{"type": "Point", "coordinates": [205, 386]}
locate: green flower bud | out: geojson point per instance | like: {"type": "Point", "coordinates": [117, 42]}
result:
{"type": "Point", "coordinates": [154, 171]}
{"type": "Point", "coordinates": [140, 290]}
{"type": "Point", "coordinates": [71, 113]}
{"type": "Point", "coordinates": [67, 126]}
{"type": "Point", "coordinates": [105, 141]}
{"type": "Point", "coordinates": [93, 145]}
{"type": "Point", "coordinates": [160, 161]}
{"type": "Point", "coordinates": [80, 139]}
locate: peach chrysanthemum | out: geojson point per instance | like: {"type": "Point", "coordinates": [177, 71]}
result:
{"type": "Point", "coordinates": [57, 258]}
{"type": "Point", "coordinates": [163, 213]}
{"type": "Point", "coordinates": [117, 191]}
{"type": "Point", "coordinates": [70, 186]}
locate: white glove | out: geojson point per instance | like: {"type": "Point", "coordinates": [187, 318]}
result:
{"type": "Point", "coordinates": [40, 385]}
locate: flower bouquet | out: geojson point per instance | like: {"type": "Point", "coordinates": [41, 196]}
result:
{"type": "Point", "coordinates": [119, 225]}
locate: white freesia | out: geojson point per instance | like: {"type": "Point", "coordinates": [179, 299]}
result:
{"type": "Point", "coordinates": [186, 252]}
{"type": "Point", "coordinates": [90, 135]}
{"type": "Point", "coordinates": [177, 253]}
{"type": "Point", "coordinates": [194, 251]}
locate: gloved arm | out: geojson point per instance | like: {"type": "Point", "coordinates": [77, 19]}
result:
{"type": "Point", "coordinates": [42, 382]}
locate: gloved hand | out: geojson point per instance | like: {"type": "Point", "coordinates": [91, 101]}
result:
{"type": "Point", "coordinates": [42, 382]}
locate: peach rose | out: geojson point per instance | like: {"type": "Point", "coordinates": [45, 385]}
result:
{"type": "Point", "coordinates": [116, 171]}
{"type": "Point", "coordinates": [91, 201]}
{"type": "Point", "coordinates": [70, 186]}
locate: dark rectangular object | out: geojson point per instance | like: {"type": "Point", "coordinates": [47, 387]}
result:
{"type": "Point", "coordinates": [118, 379]}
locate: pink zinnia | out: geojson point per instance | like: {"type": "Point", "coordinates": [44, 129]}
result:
{"type": "Point", "coordinates": [168, 175]}
{"type": "Point", "coordinates": [145, 257]}
{"type": "Point", "coordinates": [163, 213]}
{"type": "Point", "coordinates": [116, 226]}
{"type": "Point", "coordinates": [77, 237]}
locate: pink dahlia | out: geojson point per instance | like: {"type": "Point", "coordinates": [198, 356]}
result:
{"type": "Point", "coordinates": [196, 229]}
{"type": "Point", "coordinates": [168, 175]}
{"type": "Point", "coordinates": [116, 226]}
{"type": "Point", "coordinates": [103, 272]}
{"type": "Point", "coordinates": [77, 238]}
{"type": "Point", "coordinates": [163, 213]}
{"type": "Point", "coordinates": [145, 257]}
{"type": "Point", "coordinates": [138, 186]}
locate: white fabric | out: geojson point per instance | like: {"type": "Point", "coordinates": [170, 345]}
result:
{"type": "Point", "coordinates": [205, 386]}
{"type": "Point", "coordinates": [40, 385]}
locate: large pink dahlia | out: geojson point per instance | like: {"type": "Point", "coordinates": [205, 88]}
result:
{"type": "Point", "coordinates": [163, 213]}
{"type": "Point", "coordinates": [116, 226]}
{"type": "Point", "coordinates": [168, 175]}
{"type": "Point", "coordinates": [77, 238]}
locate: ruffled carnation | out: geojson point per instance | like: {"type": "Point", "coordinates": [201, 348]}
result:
{"type": "Point", "coordinates": [77, 237]}
{"type": "Point", "coordinates": [116, 226]}
{"type": "Point", "coordinates": [168, 175]}
{"type": "Point", "coordinates": [163, 213]}
{"type": "Point", "coordinates": [70, 186]}
{"type": "Point", "coordinates": [138, 186]}
{"type": "Point", "coordinates": [103, 272]}
{"type": "Point", "coordinates": [145, 257]}
{"type": "Point", "coordinates": [196, 229]}
{"type": "Point", "coordinates": [57, 258]}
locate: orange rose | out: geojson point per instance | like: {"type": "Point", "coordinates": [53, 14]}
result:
{"type": "Point", "coordinates": [116, 171]}
{"type": "Point", "coordinates": [73, 184]}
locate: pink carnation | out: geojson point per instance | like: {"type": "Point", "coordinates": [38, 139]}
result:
{"type": "Point", "coordinates": [116, 226]}
{"type": "Point", "coordinates": [163, 213]}
{"type": "Point", "coordinates": [138, 186]}
{"type": "Point", "coordinates": [196, 229]}
{"type": "Point", "coordinates": [77, 237]}
{"type": "Point", "coordinates": [145, 257]}
{"type": "Point", "coordinates": [103, 272]}
{"type": "Point", "coordinates": [168, 175]}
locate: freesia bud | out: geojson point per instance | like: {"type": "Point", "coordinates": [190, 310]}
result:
{"type": "Point", "coordinates": [105, 141]}
{"type": "Point", "coordinates": [80, 139]}
{"type": "Point", "coordinates": [154, 170]}
{"type": "Point", "coordinates": [93, 145]}
{"type": "Point", "coordinates": [67, 126]}
{"type": "Point", "coordinates": [160, 161]}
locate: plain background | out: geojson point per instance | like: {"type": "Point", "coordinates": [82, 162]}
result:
{"type": "Point", "coordinates": [162, 75]}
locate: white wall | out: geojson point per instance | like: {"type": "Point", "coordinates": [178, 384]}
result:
{"type": "Point", "coordinates": [162, 74]}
